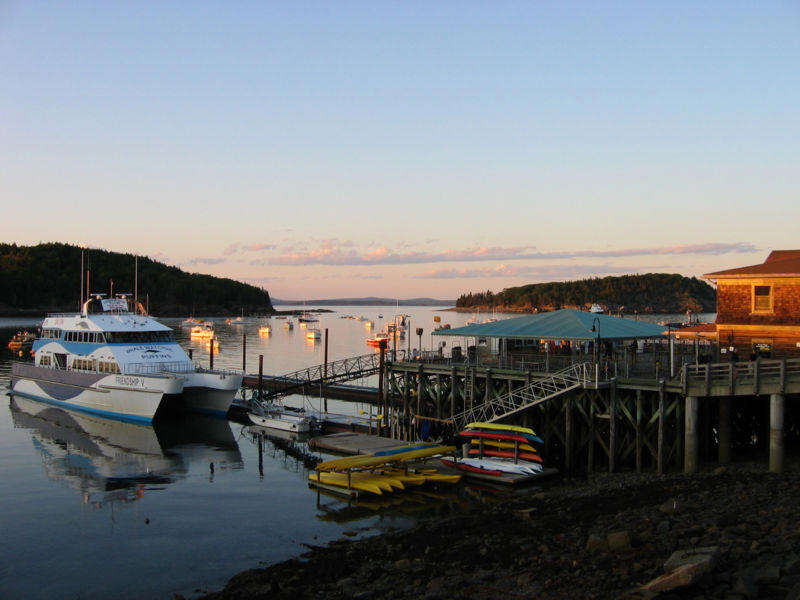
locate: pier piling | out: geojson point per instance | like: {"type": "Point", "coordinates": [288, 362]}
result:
{"type": "Point", "coordinates": [692, 446]}
{"type": "Point", "coordinates": [776, 407]}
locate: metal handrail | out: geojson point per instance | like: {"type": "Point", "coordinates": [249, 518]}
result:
{"type": "Point", "coordinates": [341, 370]}
{"type": "Point", "coordinates": [541, 390]}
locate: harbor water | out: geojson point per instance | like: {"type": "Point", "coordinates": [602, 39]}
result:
{"type": "Point", "coordinates": [95, 508]}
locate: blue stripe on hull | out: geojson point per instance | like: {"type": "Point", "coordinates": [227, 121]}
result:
{"type": "Point", "coordinates": [92, 411]}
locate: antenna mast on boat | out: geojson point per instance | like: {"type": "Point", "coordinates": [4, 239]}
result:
{"type": "Point", "coordinates": [135, 283]}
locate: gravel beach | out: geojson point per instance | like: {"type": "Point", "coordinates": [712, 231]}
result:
{"type": "Point", "coordinates": [731, 532]}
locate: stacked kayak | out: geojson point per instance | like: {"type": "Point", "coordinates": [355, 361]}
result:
{"type": "Point", "coordinates": [495, 450]}
{"type": "Point", "coordinates": [383, 472]}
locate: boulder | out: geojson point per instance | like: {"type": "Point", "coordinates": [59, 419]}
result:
{"type": "Point", "coordinates": [680, 577]}
{"type": "Point", "coordinates": [596, 544]}
{"type": "Point", "coordinates": [618, 541]}
{"type": "Point", "coordinates": [679, 558]}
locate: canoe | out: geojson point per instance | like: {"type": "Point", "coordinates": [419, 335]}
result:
{"type": "Point", "coordinates": [500, 427]}
{"type": "Point", "coordinates": [502, 436]}
{"type": "Point", "coordinates": [506, 454]}
{"type": "Point", "coordinates": [497, 444]}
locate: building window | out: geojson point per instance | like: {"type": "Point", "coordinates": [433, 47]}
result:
{"type": "Point", "coordinates": [762, 298]}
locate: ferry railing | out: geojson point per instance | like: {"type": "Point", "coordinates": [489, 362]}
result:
{"type": "Point", "coordinates": [158, 368]}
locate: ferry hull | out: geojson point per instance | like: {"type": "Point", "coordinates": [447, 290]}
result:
{"type": "Point", "coordinates": [210, 393]}
{"type": "Point", "coordinates": [125, 397]}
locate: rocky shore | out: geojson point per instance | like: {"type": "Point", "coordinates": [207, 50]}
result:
{"type": "Point", "coordinates": [732, 532]}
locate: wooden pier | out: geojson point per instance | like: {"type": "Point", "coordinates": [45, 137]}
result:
{"type": "Point", "coordinates": [590, 416]}
{"type": "Point", "coordinates": [593, 423]}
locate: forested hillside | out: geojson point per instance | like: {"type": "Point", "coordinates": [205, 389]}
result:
{"type": "Point", "coordinates": [653, 292]}
{"type": "Point", "coordinates": [47, 277]}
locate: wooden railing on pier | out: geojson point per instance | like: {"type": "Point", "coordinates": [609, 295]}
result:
{"type": "Point", "coordinates": [752, 378]}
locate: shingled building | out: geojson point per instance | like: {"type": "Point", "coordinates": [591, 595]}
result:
{"type": "Point", "coordinates": [758, 307]}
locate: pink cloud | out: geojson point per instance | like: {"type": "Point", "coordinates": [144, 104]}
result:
{"type": "Point", "coordinates": [519, 271]}
{"type": "Point", "coordinates": [330, 253]}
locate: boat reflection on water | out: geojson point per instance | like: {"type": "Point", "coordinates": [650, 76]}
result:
{"type": "Point", "coordinates": [114, 463]}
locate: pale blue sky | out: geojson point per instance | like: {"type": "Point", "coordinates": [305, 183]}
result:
{"type": "Point", "coordinates": [404, 149]}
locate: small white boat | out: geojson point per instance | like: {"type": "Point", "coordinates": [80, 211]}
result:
{"type": "Point", "coordinates": [596, 308]}
{"type": "Point", "coordinates": [313, 334]}
{"type": "Point", "coordinates": [288, 325]}
{"type": "Point", "coordinates": [265, 330]}
{"type": "Point", "coordinates": [369, 324]}
{"type": "Point", "coordinates": [275, 417]}
{"type": "Point", "coordinates": [202, 331]}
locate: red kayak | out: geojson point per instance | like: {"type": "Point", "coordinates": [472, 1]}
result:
{"type": "Point", "coordinates": [461, 466]}
{"type": "Point", "coordinates": [505, 454]}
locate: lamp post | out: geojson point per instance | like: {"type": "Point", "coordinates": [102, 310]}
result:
{"type": "Point", "coordinates": [596, 352]}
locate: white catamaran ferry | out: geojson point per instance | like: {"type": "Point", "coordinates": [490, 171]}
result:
{"type": "Point", "coordinates": [119, 364]}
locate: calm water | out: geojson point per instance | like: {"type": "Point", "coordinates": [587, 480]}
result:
{"type": "Point", "coordinates": [95, 508]}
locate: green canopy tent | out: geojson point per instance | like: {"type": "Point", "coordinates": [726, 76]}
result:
{"type": "Point", "coordinates": [565, 324]}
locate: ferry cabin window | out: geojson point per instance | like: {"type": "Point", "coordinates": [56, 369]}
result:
{"type": "Point", "coordinates": [44, 361]}
{"type": "Point", "coordinates": [51, 334]}
{"type": "Point", "coordinates": [762, 298]}
{"type": "Point", "coordinates": [93, 337]}
{"type": "Point", "coordinates": [138, 337]}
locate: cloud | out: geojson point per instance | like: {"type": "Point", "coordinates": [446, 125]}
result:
{"type": "Point", "coordinates": [506, 271]}
{"type": "Point", "coordinates": [254, 247]}
{"type": "Point", "coordinates": [258, 247]}
{"type": "Point", "coordinates": [207, 261]}
{"type": "Point", "coordinates": [334, 254]}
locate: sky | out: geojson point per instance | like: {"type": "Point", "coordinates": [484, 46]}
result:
{"type": "Point", "coordinates": [404, 149]}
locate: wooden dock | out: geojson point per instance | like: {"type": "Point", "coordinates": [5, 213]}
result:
{"type": "Point", "coordinates": [353, 443]}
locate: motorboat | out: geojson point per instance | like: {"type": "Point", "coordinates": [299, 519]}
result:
{"type": "Point", "coordinates": [288, 325]}
{"type": "Point", "coordinates": [202, 331]}
{"type": "Point", "coordinates": [264, 330]}
{"type": "Point", "coordinates": [119, 364]}
{"type": "Point", "coordinates": [21, 341]}
{"type": "Point", "coordinates": [596, 308]}
{"type": "Point", "coordinates": [381, 336]}
{"type": "Point", "coordinates": [313, 333]}
{"type": "Point", "coordinates": [369, 324]}
{"type": "Point", "coordinates": [275, 416]}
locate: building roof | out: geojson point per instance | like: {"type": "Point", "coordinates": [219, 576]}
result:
{"type": "Point", "coordinates": [780, 263]}
{"type": "Point", "coordinates": [565, 324]}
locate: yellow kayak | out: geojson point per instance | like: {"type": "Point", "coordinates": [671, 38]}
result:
{"type": "Point", "coordinates": [367, 461]}
{"type": "Point", "coordinates": [496, 444]}
{"type": "Point", "coordinates": [365, 482]}
{"type": "Point", "coordinates": [501, 427]}
{"type": "Point", "coordinates": [423, 475]}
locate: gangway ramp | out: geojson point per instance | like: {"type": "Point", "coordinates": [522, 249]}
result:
{"type": "Point", "coordinates": [537, 392]}
{"type": "Point", "coordinates": [312, 378]}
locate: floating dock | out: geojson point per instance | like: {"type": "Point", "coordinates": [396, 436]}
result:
{"type": "Point", "coordinates": [353, 443]}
